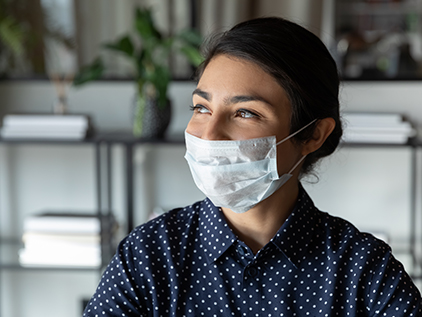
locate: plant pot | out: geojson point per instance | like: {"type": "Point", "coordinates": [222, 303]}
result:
{"type": "Point", "coordinates": [151, 120]}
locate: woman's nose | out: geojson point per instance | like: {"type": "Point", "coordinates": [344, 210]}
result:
{"type": "Point", "coordinates": [216, 128]}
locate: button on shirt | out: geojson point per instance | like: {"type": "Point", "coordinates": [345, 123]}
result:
{"type": "Point", "coordinates": [188, 262]}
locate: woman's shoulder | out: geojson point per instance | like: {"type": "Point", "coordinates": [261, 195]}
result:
{"type": "Point", "coordinates": [340, 236]}
{"type": "Point", "coordinates": [334, 234]}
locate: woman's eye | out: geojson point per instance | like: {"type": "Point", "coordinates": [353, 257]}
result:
{"type": "Point", "coordinates": [199, 109]}
{"type": "Point", "coordinates": [243, 113]}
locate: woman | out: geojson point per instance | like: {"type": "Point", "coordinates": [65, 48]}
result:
{"type": "Point", "coordinates": [265, 110]}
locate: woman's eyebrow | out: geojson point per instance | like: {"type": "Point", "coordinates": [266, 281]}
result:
{"type": "Point", "coordinates": [231, 100]}
{"type": "Point", "coordinates": [202, 94]}
{"type": "Point", "coordinates": [245, 98]}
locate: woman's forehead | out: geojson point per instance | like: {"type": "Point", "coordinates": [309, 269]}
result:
{"type": "Point", "coordinates": [237, 76]}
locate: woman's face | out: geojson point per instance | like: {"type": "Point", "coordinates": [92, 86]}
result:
{"type": "Point", "coordinates": [235, 100]}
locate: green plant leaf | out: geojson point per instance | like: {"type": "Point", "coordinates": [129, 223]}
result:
{"type": "Point", "coordinates": [90, 72]}
{"type": "Point", "coordinates": [192, 54]}
{"type": "Point", "coordinates": [123, 45]}
{"type": "Point", "coordinates": [145, 26]}
{"type": "Point", "coordinates": [12, 35]}
{"type": "Point", "coordinates": [190, 42]}
{"type": "Point", "coordinates": [144, 65]}
{"type": "Point", "coordinates": [191, 37]}
{"type": "Point", "coordinates": [166, 46]}
{"type": "Point", "coordinates": [160, 78]}
{"type": "Point", "coordinates": [151, 57]}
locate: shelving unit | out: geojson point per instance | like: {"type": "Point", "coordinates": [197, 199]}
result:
{"type": "Point", "coordinates": [415, 225]}
{"type": "Point", "coordinates": [10, 246]}
{"type": "Point", "coordinates": [103, 161]}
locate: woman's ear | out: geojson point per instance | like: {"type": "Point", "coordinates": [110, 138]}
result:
{"type": "Point", "coordinates": [322, 131]}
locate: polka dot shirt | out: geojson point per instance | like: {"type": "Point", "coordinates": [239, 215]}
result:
{"type": "Point", "coordinates": [188, 262]}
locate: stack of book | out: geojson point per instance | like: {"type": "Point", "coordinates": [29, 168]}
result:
{"type": "Point", "coordinates": [64, 240]}
{"type": "Point", "coordinates": [45, 126]}
{"type": "Point", "coordinates": [385, 128]}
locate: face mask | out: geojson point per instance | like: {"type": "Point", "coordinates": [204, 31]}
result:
{"type": "Point", "coordinates": [236, 174]}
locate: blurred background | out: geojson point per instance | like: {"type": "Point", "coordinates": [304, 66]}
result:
{"type": "Point", "coordinates": [377, 45]}
{"type": "Point", "coordinates": [370, 39]}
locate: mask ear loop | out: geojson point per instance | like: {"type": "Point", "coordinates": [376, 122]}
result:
{"type": "Point", "coordinates": [297, 164]}
{"type": "Point", "coordinates": [298, 131]}
{"type": "Point", "coordinates": [292, 135]}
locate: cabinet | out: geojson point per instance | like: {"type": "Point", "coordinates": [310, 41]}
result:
{"type": "Point", "coordinates": [378, 39]}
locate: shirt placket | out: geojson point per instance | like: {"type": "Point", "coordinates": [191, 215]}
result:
{"type": "Point", "coordinates": [252, 281]}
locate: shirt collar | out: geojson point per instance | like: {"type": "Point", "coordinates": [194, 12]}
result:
{"type": "Point", "coordinates": [294, 236]}
{"type": "Point", "coordinates": [215, 234]}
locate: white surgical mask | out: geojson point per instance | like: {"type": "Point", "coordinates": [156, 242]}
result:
{"type": "Point", "coordinates": [236, 174]}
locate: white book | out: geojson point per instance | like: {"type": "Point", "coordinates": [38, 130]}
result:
{"type": "Point", "coordinates": [372, 119]}
{"type": "Point", "coordinates": [44, 238]}
{"type": "Point", "coordinates": [61, 242]}
{"type": "Point", "coordinates": [45, 129]}
{"type": "Point", "coordinates": [30, 258]}
{"type": "Point", "coordinates": [59, 247]}
{"type": "Point", "coordinates": [62, 223]}
{"type": "Point", "coordinates": [9, 134]}
{"type": "Point", "coordinates": [371, 138]}
{"type": "Point", "coordinates": [37, 120]}
{"type": "Point", "coordinates": [404, 128]}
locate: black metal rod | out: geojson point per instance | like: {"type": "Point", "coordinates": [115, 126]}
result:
{"type": "Point", "coordinates": [413, 206]}
{"type": "Point", "coordinates": [193, 13]}
{"type": "Point", "coordinates": [109, 180]}
{"type": "Point", "coordinates": [98, 176]}
{"type": "Point", "coordinates": [1, 295]}
{"type": "Point", "coordinates": [99, 189]}
{"type": "Point", "coordinates": [129, 187]}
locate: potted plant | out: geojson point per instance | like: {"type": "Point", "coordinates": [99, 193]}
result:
{"type": "Point", "coordinates": [151, 70]}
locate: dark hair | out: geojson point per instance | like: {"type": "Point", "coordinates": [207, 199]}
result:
{"type": "Point", "coordinates": [301, 64]}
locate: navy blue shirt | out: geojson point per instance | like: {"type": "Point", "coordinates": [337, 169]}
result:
{"type": "Point", "coordinates": [188, 262]}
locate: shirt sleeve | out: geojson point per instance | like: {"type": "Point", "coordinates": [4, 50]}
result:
{"type": "Point", "coordinates": [391, 292]}
{"type": "Point", "coordinates": [118, 293]}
